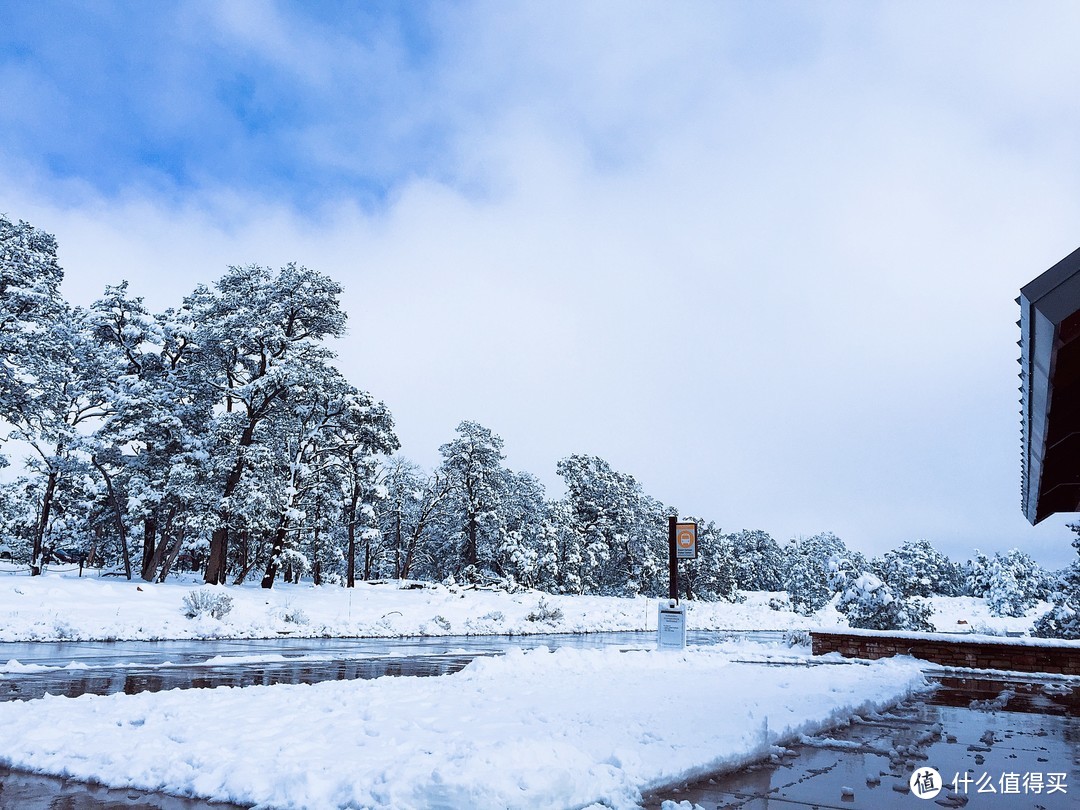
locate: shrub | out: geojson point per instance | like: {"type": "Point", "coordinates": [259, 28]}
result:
{"type": "Point", "coordinates": [206, 602]}
{"type": "Point", "coordinates": [545, 613]}
{"type": "Point", "coordinates": [779, 603]}
{"type": "Point", "coordinates": [871, 605]}
{"type": "Point", "coordinates": [442, 622]}
{"type": "Point", "coordinates": [293, 615]}
{"type": "Point", "coordinates": [798, 638]}
{"type": "Point", "coordinates": [1061, 621]}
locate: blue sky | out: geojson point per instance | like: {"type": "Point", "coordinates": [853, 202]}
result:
{"type": "Point", "coordinates": [761, 256]}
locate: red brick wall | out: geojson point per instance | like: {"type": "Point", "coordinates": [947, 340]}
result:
{"type": "Point", "coordinates": [974, 654]}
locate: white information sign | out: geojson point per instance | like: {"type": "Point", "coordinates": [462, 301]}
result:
{"type": "Point", "coordinates": [671, 626]}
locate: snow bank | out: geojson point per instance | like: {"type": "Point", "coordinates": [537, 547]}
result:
{"type": "Point", "coordinates": [529, 729]}
{"type": "Point", "coordinates": [66, 607]}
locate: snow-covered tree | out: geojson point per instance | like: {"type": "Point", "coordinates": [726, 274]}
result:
{"type": "Point", "coordinates": [526, 555]}
{"type": "Point", "coordinates": [1063, 619]}
{"type": "Point", "coordinates": [151, 451]}
{"type": "Point", "coordinates": [261, 334]}
{"type": "Point", "coordinates": [759, 561]}
{"type": "Point", "coordinates": [615, 528]}
{"type": "Point", "coordinates": [362, 435]}
{"type": "Point", "coordinates": [472, 466]}
{"type": "Point", "coordinates": [412, 517]}
{"type": "Point", "coordinates": [917, 569]}
{"type": "Point", "coordinates": [810, 565]}
{"type": "Point", "coordinates": [66, 399]}
{"type": "Point", "coordinates": [871, 604]}
{"type": "Point", "coordinates": [30, 308]}
{"type": "Point", "coordinates": [713, 575]}
{"type": "Point", "coordinates": [1011, 584]}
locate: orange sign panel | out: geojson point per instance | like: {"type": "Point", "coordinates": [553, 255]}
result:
{"type": "Point", "coordinates": [686, 541]}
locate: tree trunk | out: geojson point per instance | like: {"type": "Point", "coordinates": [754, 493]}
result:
{"type": "Point", "coordinates": [277, 548]}
{"type": "Point", "coordinates": [120, 530]}
{"type": "Point", "coordinates": [217, 564]}
{"type": "Point", "coordinates": [43, 522]}
{"type": "Point", "coordinates": [174, 552]}
{"type": "Point", "coordinates": [470, 553]}
{"type": "Point", "coordinates": [151, 558]}
{"type": "Point", "coordinates": [350, 570]}
{"type": "Point", "coordinates": [161, 548]}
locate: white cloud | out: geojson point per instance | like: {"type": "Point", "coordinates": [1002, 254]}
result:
{"type": "Point", "coordinates": [776, 289]}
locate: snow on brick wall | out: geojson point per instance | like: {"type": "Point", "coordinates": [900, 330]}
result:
{"type": "Point", "coordinates": [982, 654]}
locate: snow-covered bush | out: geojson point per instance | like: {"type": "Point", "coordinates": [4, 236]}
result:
{"type": "Point", "coordinates": [442, 622]}
{"type": "Point", "coordinates": [797, 638]}
{"type": "Point", "coordinates": [779, 603]}
{"type": "Point", "coordinates": [1011, 584]}
{"type": "Point", "coordinates": [1063, 620]}
{"type": "Point", "coordinates": [870, 604]}
{"type": "Point", "coordinates": [918, 569]}
{"type": "Point", "coordinates": [293, 615]}
{"type": "Point", "coordinates": [545, 613]}
{"type": "Point", "coordinates": [205, 602]}
{"type": "Point", "coordinates": [810, 570]}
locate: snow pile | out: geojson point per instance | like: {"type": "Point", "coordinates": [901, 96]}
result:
{"type": "Point", "coordinates": [529, 729]}
{"type": "Point", "coordinates": [66, 607]}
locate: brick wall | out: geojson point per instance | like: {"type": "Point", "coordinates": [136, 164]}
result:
{"type": "Point", "coordinates": [981, 654]}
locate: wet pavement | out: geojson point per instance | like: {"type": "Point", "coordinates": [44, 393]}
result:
{"type": "Point", "coordinates": [101, 668]}
{"type": "Point", "coordinates": [1014, 736]}
{"type": "Point", "coordinates": [27, 791]}
{"type": "Point", "coordinates": [995, 743]}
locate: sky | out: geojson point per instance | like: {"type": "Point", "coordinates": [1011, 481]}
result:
{"type": "Point", "coordinates": [763, 257]}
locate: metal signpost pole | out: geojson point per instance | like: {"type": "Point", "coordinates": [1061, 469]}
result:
{"type": "Point", "coordinates": [673, 563]}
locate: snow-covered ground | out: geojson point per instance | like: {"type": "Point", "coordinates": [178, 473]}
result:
{"type": "Point", "coordinates": [530, 729]}
{"type": "Point", "coordinates": [61, 606]}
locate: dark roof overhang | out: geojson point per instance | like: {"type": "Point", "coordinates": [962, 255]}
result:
{"type": "Point", "coordinates": [1050, 390]}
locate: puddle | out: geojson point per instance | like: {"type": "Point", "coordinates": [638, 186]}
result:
{"type": "Point", "coordinates": [1019, 739]}
{"type": "Point", "coordinates": [97, 668]}
{"type": "Point", "coordinates": [26, 791]}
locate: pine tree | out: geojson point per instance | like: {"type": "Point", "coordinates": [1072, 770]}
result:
{"type": "Point", "coordinates": [917, 569]}
{"type": "Point", "coordinates": [810, 570]}
{"type": "Point", "coordinates": [472, 467]}
{"type": "Point", "coordinates": [30, 308]}
{"type": "Point", "coordinates": [1063, 619]}
{"type": "Point", "coordinates": [759, 562]}
{"type": "Point", "coordinates": [261, 333]}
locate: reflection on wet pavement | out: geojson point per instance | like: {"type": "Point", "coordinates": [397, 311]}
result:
{"type": "Point", "coordinates": [25, 791]}
{"type": "Point", "coordinates": [132, 667]}
{"type": "Point", "coordinates": [996, 744]}
{"type": "Point", "coordinates": [99, 668]}
{"type": "Point", "coordinates": [1019, 737]}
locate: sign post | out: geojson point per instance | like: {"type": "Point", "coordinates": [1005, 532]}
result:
{"type": "Point", "coordinates": [671, 618]}
{"type": "Point", "coordinates": [673, 563]}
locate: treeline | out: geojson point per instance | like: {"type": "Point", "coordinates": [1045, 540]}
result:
{"type": "Point", "coordinates": [219, 437]}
